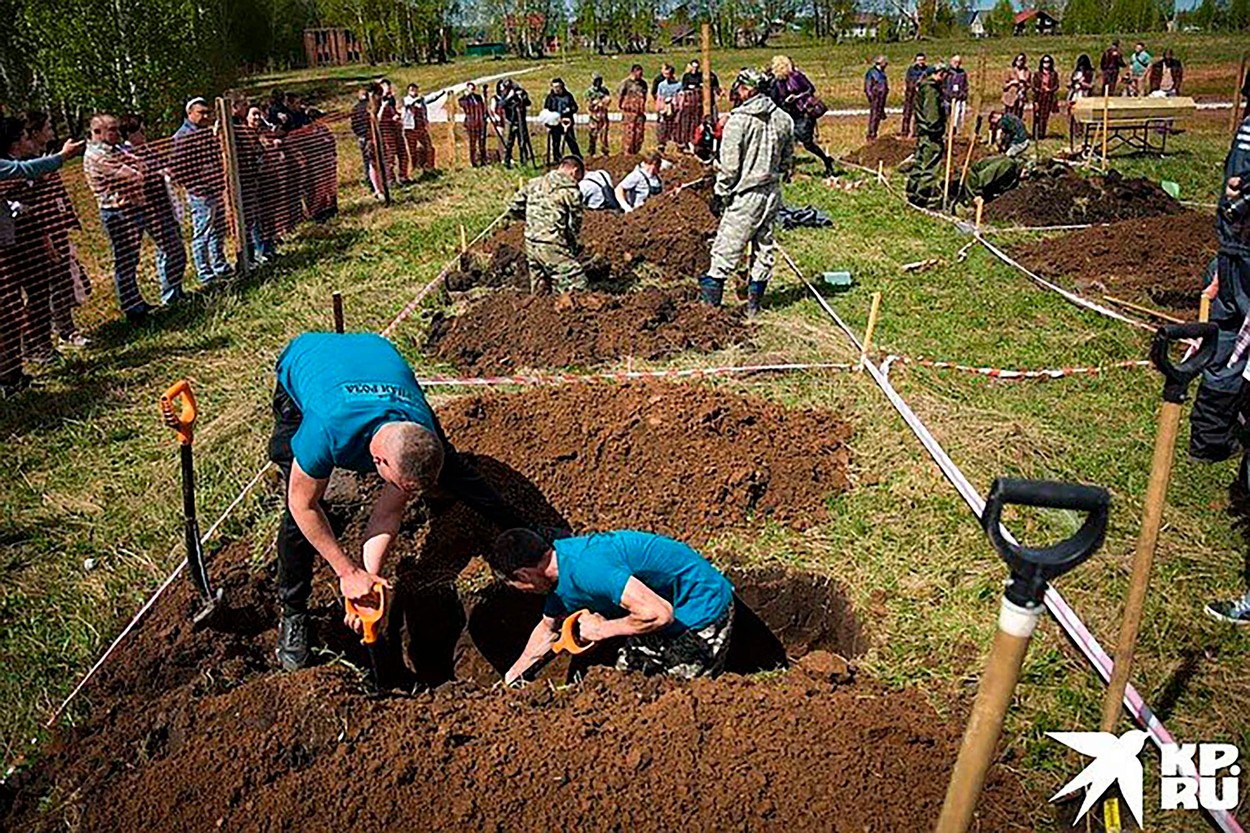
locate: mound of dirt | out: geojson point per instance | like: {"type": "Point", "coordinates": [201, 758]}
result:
{"type": "Point", "coordinates": [669, 236]}
{"type": "Point", "coordinates": [1057, 196]}
{"type": "Point", "coordinates": [507, 331]}
{"type": "Point", "coordinates": [892, 150]}
{"type": "Point", "coordinates": [1162, 257]}
{"type": "Point", "coordinates": [696, 459]}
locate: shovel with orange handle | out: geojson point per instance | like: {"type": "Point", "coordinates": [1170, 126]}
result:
{"type": "Point", "coordinates": [183, 423]}
{"type": "Point", "coordinates": [568, 643]}
{"type": "Point", "coordinates": [370, 618]}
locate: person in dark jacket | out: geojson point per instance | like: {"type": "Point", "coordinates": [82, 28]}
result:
{"type": "Point", "coordinates": [794, 93]}
{"type": "Point", "coordinates": [1045, 95]}
{"type": "Point", "coordinates": [198, 168]}
{"type": "Point", "coordinates": [514, 102]}
{"type": "Point", "coordinates": [876, 89]}
{"type": "Point", "coordinates": [1220, 404]}
{"type": "Point", "coordinates": [955, 92]}
{"type": "Point", "coordinates": [911, 85]}
{"type": "Point", "coordinates": [924, 180]}
{"type": "Point", "coordinates": [1110, 65]}
{"type": "Point", "coordinates": [563, 103]}
{"type": "Point", "coordinates": [1165, 75]}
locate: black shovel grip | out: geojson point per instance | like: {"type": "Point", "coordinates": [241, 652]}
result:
{"type": "Point", "coordinates": [1176, 377]}
{"type": "Point", "coordinates": [1032, 568]}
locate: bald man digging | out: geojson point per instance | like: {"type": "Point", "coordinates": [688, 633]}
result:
{"type": "Point", "coordinates": [350, 401]}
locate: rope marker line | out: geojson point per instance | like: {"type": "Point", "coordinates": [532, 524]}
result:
{"type": "Point", "coordinates": [1055, 603]}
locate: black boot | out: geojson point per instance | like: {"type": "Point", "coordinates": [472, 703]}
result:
{"type": "Point", "coordinates": [755, 296]}
{"type": "Point", "coordinates": [293, 651]}
{"type": "Point", "coordinates": [712, 289]}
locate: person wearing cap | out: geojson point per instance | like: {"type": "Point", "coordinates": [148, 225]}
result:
{"type": "Point", "coordinates": [924, 180]}
{"type": "Point", "coordinates": [561, 102]}
{"type": "Point", "coordinates": [197, 167]}
{"type": "Point", "coordinates": [551, 206]}
{"type": "Point", "coordinates": [674, 610]}
{"type": "Point", "coordinates": [631, 98]}
{"type": "Point", "coordinates": [598, 99]}
{"type": "Point", "coordinates": [756, 151]}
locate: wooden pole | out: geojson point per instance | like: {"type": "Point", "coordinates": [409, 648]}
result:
{"type": "Point", "coordinates": [981, 76]}
{"type": "Point", "coordinates": [337, 300]}
{"type": "Point", "coordinates": [979, 202]}
{"type": "Point", "coordinates": [375, 139]}
{"type": "Point", "coordinates": [1233, 120]}
{"type": "Point", "coordinates": [705, 32]}
{"type": "Point", "coordinates": [234, 189]}
{"type": "Point", "coordinates": [1106, 119]}
{"type": "Point", "coordinates": [464, 240]}
{"type": "Point", "coordinates": [451, 128]}
{"type": "Point", "coordinates": [881, 172]}
{"type": "Point", "coordinates": [1204, 307]}
{"type": "Point", "coordinates": [950, 153]}
{"type": "Point", "coordinates": [873, 311]}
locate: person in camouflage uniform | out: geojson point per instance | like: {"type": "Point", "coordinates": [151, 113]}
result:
{"type": "Point", "coordinates": [924, 180]}
{"type": "Point", "coordinates": [598, 98]}
{"type": "Point", "coordinates": [551, 206]}
{"type": "Point", "coordinates": [757, 149]}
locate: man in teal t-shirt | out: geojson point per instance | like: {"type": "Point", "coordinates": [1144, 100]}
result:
{"type": "Point", "coordinates": [674, 608]}
{"type": "Point", "coordinates": [350, 401]}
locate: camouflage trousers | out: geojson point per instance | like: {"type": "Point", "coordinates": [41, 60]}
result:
{"type": "Point", "coordinates": [688, 655]}
{"type": "Point", "coordinates": [749, 218]}
{"type": "Point", "coordinates": [553, 268]}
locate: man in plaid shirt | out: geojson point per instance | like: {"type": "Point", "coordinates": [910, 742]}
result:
{"type": "Point", "coordinates": [474, 108]}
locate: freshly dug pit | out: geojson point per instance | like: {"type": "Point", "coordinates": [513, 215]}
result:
{"type": "Point", "coordinates": [191, 730]}
{"type": "Point", "coordinates": [1160, 257]}
{"type": "Point", "coordinates": [1057, 196]}
{"type": "Point", "coordinates": [510, 330]}
{"type": "Point", "coordinates": [668, 237]}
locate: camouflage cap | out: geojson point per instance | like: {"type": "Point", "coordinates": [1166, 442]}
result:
{"type": "Point", "coordinates": [749, 78]}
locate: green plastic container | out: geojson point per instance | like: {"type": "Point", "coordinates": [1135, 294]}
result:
{"type": "Point", "coordinates": [840, 281]}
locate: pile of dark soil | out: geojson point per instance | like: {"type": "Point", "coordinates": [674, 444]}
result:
{"type": "Point", "coordinates": [1161, 257]}
{"type": "Point", "coordinates": [669, 237]}
{"type": "Point", "coordinates": [892, 150]}
{"type": "Point", "coordinates": [1058, 195]}
{"type": "Point", "coordinates": [507, 330]}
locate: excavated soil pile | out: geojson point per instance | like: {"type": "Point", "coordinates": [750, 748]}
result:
{"type": "Point", "coordinates": [677, 459]}
{"type": "Point", "coordinates": [507, 330]}
{"type": "Point", "coordinates": [1058, 196]}
{"type": "Point", "coordinates": [892, 150]}
{"type": "Point", "coordinates": [669, 236]}
{"type": "Point", "coordinates": [1162, 257]}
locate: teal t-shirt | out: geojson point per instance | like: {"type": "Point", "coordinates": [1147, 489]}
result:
{"type": "Point", "coordinates": [595, 568]}
{"type": "Point", "coordinates": [347, 385]}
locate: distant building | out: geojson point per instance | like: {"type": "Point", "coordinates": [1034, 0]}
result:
{"type": "Point", "coordinates": [1036, 21]}
{"type": "Point", "coordinates": [863, 26]}
{"type": "Point", "coordinates": [974, 22]}
{"type": "Point", "coordinates": [332, 47]}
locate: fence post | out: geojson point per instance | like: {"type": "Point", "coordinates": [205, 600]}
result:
{"type": "Point", "coordinates": [1237, 82]}
{"type": "Point", "coordinates": [705, 32]}
{"type": "Point", "coordinates": [337, 301]}
{"type": "Point", "coordinates": [375, 139]}
{"type": "Point", "coordinates": [234, 190]}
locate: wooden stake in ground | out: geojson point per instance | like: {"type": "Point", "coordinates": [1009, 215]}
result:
{"type": "Point", "coordinates": [1106, 121]}
{"type": "Point", "coordinates": [336, 301]}
{"type": "Point", "coordinates": [950, 152]}
{"type": "Point", "coordinates": [705, 33]}
{"type": "Point", "coordinates": [972, 144]}
{"type": "Point", "coordinates": [979, 202]}
{"type": "Point", "coordinates": [1019, 611]}
{"type": "Point", "coordinates": [1175, 388]}
{"type": "Point", "coordinates": [1233, 120]}
{"type": "Point", "coordinates": [464, 240]}
{"type": "Point", "coordinates": [451, 128]}
{"type": "Point", "coordinates": [873, 311]}
{"type": "Point", "coordinates": [230, 161]}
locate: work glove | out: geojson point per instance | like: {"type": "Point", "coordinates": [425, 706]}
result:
{"type": "Point", "coordinates": [717, 205]}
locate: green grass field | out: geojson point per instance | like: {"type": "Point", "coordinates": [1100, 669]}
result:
{"type": "Point", "coordinates": [92, 474]}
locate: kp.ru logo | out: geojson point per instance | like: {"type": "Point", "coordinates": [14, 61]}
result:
{"type": "Point", "coordinates": [1115, 762]}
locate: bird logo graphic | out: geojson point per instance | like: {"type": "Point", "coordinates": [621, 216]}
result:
{"type": "Point", "coordinates": [1115, 762]}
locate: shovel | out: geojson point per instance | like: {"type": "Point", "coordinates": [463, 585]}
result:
{"type": "Point", "coordinates": [1176, 380]}
{"type": "Point", "coordinates": [1018, 614]}
{"type": "Point", "coordinates": [568, 643]}
{"type": "Point", "coordinates": [183, 423]}
{"type": "Point", "coordinates": [370, 616]}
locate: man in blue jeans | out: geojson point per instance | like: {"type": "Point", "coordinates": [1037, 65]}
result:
{"type": "Point", "coordinates": [674, 609]}
{"type": "Point", "coordinates": [197, 167]}
{"type": "Point", "coordinates": [116, 177]}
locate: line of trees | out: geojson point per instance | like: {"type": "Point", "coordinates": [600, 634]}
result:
{"type": "Point", "coordinates": [74, 57]}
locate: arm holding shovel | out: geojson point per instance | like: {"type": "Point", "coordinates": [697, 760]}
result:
{"type": "Point", "coordinates": [304, 498]}
{"type": "Point", "coordinates": [646, 613]}
{"type": "Point", "coordinates": [541, 640]}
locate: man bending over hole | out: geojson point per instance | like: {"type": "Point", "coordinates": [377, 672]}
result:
{"type": "Point", "coordinates": [674, 609]}
{"type": "Point", "coordinates": [350, 401]}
